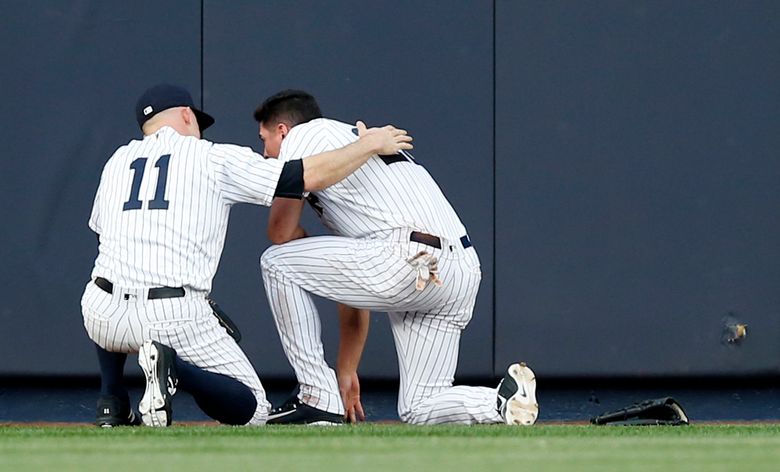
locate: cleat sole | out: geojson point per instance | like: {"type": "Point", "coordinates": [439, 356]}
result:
{"type": "Point", "coordinates": [522, 410]}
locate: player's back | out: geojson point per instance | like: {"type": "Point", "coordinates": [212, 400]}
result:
{"type": "Point", "coordinates": [386, 193]}
{"type": "Point", "coordinates": [159, 214]}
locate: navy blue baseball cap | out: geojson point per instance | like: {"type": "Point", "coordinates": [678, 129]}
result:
{"type": "Point", "coordinates": [164, 96]}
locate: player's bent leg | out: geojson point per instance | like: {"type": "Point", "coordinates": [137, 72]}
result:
{"type": "Point", "coordinates": [361, 273]}
{"type": "Point", "coordinates": [231, 393]}
{"type": "Point", "coordinates": [113, 406]}
{"type": "Point", "coordinates": [112, 369]}
{"type": "Point", "coordinates": [455, 405]}
{"type": "Point", "coordinates": [222, 398]}
{"type": "Point", "coordinates": [364, 273]}
{"type": "Point", "coordinates": [186, 326]}
{"type": "Point", "coordinates": [205, 345]}
{"type": "Point", "coordinates": [298, 324]}
{"type": "Point", "coordinates": [427, 348]}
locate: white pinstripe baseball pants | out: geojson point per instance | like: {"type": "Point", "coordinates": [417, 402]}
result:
{"type": "Point", "coordinates": [186, 324]}
{"type": "Point", "coordinates": [372, 273]}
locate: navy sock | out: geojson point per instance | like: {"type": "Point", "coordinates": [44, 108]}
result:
{"type": "Point", "coordinates": [112, 371]}
{"type": "Point", "coordinates": [221, 397]}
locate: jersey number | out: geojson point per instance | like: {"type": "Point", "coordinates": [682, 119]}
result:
{"type": "Point", "coordinates": [138, 167]}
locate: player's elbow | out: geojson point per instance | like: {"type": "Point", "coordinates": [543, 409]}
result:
{"type": "Point", "coordinates": [282, 230]}
{"type": "Point", "coordinates": [313, 182]}
{"type": "Point", "coordinates": [315, 176]}
{"type": "Point", "coordinates": [278, 234]}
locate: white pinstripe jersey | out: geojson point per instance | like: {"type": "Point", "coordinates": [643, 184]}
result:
{"type": "Point", "coordinates": [162, 208]}
{"type": "Point", "coordinates": [386, 193]}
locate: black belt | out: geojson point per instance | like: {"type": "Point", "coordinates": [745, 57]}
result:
{"type": "Point", "coordinates": [435, 241]}
{"type": "Point", "coordinates": [154, 293]}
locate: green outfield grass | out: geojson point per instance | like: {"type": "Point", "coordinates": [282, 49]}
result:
{"type": "Point", "coordinates": [378, 447]}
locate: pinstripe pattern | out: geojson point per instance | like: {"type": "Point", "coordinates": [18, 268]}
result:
{"type": "Point", "coordinates": [179, 246]}
{"type": "Point", "coordinates": [376, 197]}
{"type": "Point", "coordinates": [373, 212]}
{"type": "Point", "coordinates": [185, 324]}
{"type": "Point", "coordinates": [427, 349]}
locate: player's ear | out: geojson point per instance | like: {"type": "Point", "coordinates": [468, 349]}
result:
{"type": "Point", "coordinates": [187, 115]}
{"type": "Point", "coordinates": [283, 129]}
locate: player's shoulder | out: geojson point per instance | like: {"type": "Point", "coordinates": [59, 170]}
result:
{"type": "Point", "coordinates": [319, 126]}
{"type": "Point", "coordinates": [123, 152]}
{"type": "Point", "coordinates": [222, 151]}
{"type": "Point", "coordinates": [339, 127]}
{"type": "Point", "coordinates": [130, 145]}
{"type": "Point", "coordinates": [124, 149]}
{"type": "Point", "coordinates": [191, 142]}
{"type": "Point", "coordinates": [313, 137]}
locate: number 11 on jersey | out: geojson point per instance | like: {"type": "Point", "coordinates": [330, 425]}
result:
{"type": "Point", "coordinates": [138, 167]}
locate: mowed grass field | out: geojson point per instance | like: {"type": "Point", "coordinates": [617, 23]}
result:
{"type": "Point", "coordinates": [384, 447]}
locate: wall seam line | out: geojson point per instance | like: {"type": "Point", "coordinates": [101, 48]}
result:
{"type": "Point", "coordinates": [495, 261]}
{"type": "Point", "coordinates": [202, 47]}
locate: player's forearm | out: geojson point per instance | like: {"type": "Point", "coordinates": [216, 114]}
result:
{"type": "Point", "coordinates": [353, 331]}
{"type": "Point", "coordinates": [284, 220]}
{"type": "Point", "coordinates": [323, 170]}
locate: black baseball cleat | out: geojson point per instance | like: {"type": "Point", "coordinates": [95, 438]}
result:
{"type": "Point", "coordinates": [111, 411]}
{"type": "Point", "coordinates": [157, 363]}
{"type": "Point", "coordinates": [516, 402]}
{"type": "Point", "coordinates": [295, 412]}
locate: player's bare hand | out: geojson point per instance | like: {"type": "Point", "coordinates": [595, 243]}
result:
{"type": "Point", "coordinates": [385, 140]}
{"type": "Point", "coordinates": [349, 387]}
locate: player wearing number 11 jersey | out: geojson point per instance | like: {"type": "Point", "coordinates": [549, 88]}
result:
{"type": "Point", "coordinates": [161, 214]}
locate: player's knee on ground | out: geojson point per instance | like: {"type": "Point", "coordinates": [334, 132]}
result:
{"type": "Point", "coordinates": [253, 412]}
{"type": "Point", "coordinates": [413, 414]}
{"type": "Point", "coordinates": [262, 410]}
{"type": "Point", "coordinates": [262, 407]}
{"type": "Point", "coordinates": [245, 406]}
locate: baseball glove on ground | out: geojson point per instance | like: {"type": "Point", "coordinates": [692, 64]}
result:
{"type": "Point", "coordinates": [661, 411]}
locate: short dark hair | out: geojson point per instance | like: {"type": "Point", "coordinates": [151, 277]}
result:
{"type": "Point", "coordinates": [290, 106]}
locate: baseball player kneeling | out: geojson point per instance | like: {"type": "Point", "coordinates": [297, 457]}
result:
{"type": "Point", "coordinates": [399, 247]}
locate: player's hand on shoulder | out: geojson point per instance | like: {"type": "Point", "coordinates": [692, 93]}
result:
{"type": "Point", "coordinates": [385, 140]}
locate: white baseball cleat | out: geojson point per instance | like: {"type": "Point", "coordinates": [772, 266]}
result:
{"type": "Point", "coordinates": [157, 363]}
{"type": "Point", "coordinates": [517, 396]}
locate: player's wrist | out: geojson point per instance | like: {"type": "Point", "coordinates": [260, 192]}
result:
{"type": "Point", "coordinates": [370, 144]}
{"type": "Point", "coordinates": [347, 368]}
